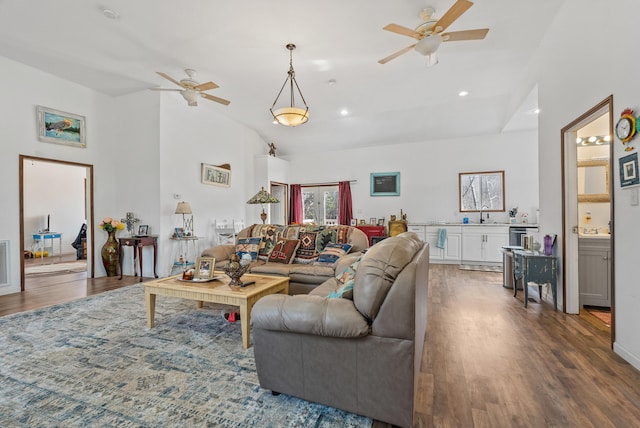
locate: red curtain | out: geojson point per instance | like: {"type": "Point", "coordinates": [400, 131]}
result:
{"type": "Point", "coordinates": [345, 213]}
{"type": "Point", "coordinates": [295, 204]}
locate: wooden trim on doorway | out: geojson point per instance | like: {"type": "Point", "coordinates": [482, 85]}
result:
{"type": "Point", "coordinates": [606, 103]}
{"type": "Point", "coordinates": [90, 220]}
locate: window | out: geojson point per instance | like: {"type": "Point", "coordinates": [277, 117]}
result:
{"type": "Point", "coordinates": [481, 191]}
{"type": "Point", "coordinates": [320, 204]}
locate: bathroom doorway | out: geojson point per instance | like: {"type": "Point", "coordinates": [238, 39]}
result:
{"type": "Point", "coordinates": [588, 207]}
{"type": "Point", "coordinates": [56, 200]}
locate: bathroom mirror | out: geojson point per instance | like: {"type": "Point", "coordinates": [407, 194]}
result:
{"type": "Point", "coordinates": [481, 191]}
{"type": "Point", "coordinates": [593, 181]}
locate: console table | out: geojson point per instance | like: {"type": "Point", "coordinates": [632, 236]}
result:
{"type": "Point", "coordinates": [372, 231]}
{"type": "Point", "coordinates": [530, 266]}
{"type": "Point", "coordinates": [139, 242]}
{"type": "Point", "coordinates": [41, 237]}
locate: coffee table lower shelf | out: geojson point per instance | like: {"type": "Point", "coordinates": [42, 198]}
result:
{"type": "Point", "coordinates": [217, 291]}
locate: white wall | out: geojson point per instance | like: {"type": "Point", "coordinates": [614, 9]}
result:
{"type": "Point", "coordinates": [142, 153]}
{"type": "Point", "coordinates": [23, 88]}
{"type": "Point", "coordinates": [565, 93]}
{"type": "Point", "coordinates": [57, 190]}
{"type": "Point", "coordinates": [190, 136]}
{"type": "Point", "coordinates": [429, 174]}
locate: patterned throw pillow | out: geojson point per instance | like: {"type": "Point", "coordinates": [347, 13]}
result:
{"type": "Point", "coordinates": [248, 246]}
{"type": "Point", "coordinates": [307, 248]}
{"type": "Point", "coordinates": [283, 251]}
{"type": "Point", "coordinates": [332, 252]}
{"type": "Point", "coordinates": [350, 272]}
{"type": "Point", "coordinates": [345, 292]}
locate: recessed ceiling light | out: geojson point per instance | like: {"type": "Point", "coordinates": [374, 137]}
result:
{"type": "Point", "coordinates": [463, 93]}
{"type": "Point", "coordinates": [344, 112]}
{"type": "Point", "coordinates": [331, 81]}
{"type": "Point", "coordinates": [108, 13]}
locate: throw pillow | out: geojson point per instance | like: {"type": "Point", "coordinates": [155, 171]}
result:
{"type": "Point", "coordinates": [350, 272]}
{"type": "Point", "coordinates": [333, 252]}
{"type": "Point", "coordinates": [307, 248]}
{"type": "Point", "coordinates": [248, 246]}
{"type": "Point", "coordinates": [284, 250]}
{"type": "Point", "coordinates": [345, 292]}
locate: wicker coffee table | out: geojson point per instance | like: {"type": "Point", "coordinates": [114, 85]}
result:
{"type": "Point", "coordinates": [217, 292]}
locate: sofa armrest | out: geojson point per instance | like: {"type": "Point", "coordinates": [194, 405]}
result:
{"type": "Point", "coordinates": [220, 252]}
{"type": "Point", "coordinates": [309, 314]}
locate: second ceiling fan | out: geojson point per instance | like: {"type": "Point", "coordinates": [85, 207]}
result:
{"type": "Point", "coordinates": [429, 34]}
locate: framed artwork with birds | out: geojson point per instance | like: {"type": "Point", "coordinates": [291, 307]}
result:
{"type": "Point", "coordinates": [59, 127]}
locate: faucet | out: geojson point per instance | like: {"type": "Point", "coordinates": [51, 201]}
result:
{"type": "Point", "coordinates": [481, 217]}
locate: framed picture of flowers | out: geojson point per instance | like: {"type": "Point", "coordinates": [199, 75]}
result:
{"type": "Point", "coordinates": [59, 127]}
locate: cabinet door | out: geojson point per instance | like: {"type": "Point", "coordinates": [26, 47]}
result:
{"type": "Point", "coordinates": [472, 246]}
{"type": "Point", "coordinates": [418, 230]}
{"type": "Point", "coordinates": [594, 277]}
{"type": "Point", "coordinates": [435, 253]}
{"type": "Point", "coordinates": [492, 244]}
{"type": "Point", "coordinates": [453, 249]}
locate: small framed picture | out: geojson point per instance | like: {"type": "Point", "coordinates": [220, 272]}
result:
{"type": "Point", "coordinates": [362, 221]}
{"type": "Point", "coordinates": [372, 220]}
{"type": "Point", "coordinates": [629, 170]}
{"type": "Point", "coordinates": [143, 230]}
{"type": "Point", "coordinates": [178, 232]}
{"type": "Point", "coordinates": [204, 268]}
{"type": "Point", "coordinates": [381, 222]}
{"type": "Point", "coordinates": [216, 175]}
{"type": "Point", "coordinates": [354, 221]}
{"type": "Point", "coordinates": [59, 127]}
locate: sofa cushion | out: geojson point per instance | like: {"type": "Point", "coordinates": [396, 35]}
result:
{"type": "Point", "coordinates": [269, 235]}
{"type": "Point", "coordinates": [248, 246]}
{"type": "Point", "coordinates": [284, 251]}
{"type": "Point", "coordinates": [379, 268]}
{"type": "Point", "coordinates": [332, 252]}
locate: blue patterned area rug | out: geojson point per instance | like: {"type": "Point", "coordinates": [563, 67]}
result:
{"type": "Point", "coordinates": [94, 362]}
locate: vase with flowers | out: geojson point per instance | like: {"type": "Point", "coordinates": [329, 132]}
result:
{"type": "Point", "coordinates": [110, 253]}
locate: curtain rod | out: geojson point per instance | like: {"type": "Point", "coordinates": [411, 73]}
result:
{"type": "Point", "coordinates": [331, 183]}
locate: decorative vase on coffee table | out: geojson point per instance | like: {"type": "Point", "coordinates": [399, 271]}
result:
{"type": "Point", "coordinates": [110, 254]}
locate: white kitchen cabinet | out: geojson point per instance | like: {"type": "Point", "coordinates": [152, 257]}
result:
{"type": "Point", "coordinates": [451, 253]}
{"type": "Point", "coordinates": [481, 244]}
{"type": "Point", "coordinates": [594, 272]}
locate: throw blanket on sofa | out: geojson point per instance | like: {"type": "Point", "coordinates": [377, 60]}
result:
{"type": "Point", "coordinates": [313, 239]}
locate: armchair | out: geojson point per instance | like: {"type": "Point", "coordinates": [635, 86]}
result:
{"type": "Point", "coordinates": [361, 355]}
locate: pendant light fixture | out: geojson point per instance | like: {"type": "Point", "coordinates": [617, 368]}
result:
{"type": "Point", "coordinates": [290, 115]}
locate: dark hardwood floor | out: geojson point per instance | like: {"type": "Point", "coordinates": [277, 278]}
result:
{"type": "Point", "coordinates": [489, 361]}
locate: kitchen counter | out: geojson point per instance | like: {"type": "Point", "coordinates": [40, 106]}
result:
{"type": "Point", "coordinates": [594, 236]}
{"type": "Point", "coordinates": [532, 225]}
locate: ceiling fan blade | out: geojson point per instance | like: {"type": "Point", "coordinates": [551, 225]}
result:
{"type": "Point", "coordinates": [399, 29]}
{"type": "Point", "coordinates": [205, 86]}
{"type": "Point", "coordinates": [170, 79]}
{"type": "Point", "coordinates": [165, 89]}
{"type": "Point", "coordinates": [458, 8]}
{"type": "Point", "coordinates": [397, 54]}
{"type": "Point", "coordinates": [216, 99]}
{"type": "Point", "coordinates": [455, 36]}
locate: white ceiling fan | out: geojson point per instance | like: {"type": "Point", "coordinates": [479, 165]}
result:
{"type": "Point", "coordinates": [429, 34]}
{"type": "Point", "coordinates": [191, 89]}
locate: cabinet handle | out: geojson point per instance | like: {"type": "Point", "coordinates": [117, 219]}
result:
{"type": "Point", "coordinates": [605, 258]}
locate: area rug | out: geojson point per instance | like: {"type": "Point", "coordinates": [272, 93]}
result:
{"type": "Point", "coordinates": [602, 315]}
{"type": "Point", "coordinates": [482, 268]}
{"type": "Point", "coordinates": [94, 362]}
{"type": "Point", "coordinates": [57, 268]}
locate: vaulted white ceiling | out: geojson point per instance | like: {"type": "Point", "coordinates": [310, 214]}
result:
{"type": "Point", "coordinates": [241, 47]}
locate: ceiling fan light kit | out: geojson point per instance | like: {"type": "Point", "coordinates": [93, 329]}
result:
{"type": "Point", "coordinates": [429, 34]}
{"type": "Point", "coordinates": [290, 115]}
{"type": "Point", "coordinates": [191, 89]}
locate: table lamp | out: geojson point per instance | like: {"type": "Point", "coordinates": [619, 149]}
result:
{"type": "Point", "coordinates": [184, 208]}
{"type": "Point", "coordinates": [263, 197]}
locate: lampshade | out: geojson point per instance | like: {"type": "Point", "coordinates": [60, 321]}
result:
{"type": "Point", "coordinates": [290, 115]}
{"type": "Point", "coordinates": [263, 197]}
{"type": "Point", "coordinates": [183, 208]}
